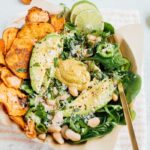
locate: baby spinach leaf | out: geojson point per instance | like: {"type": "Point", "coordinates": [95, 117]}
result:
{"type": "Point", "coordinates": [110, 63]}
{"type": "Point", "coordinates": [133, 115]}
{"type": "Point", "coordinates": [108, 28]}
{"type": "Point", "coordinates": [132, 84]}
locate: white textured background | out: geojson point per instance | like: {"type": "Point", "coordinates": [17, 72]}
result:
{"type": "Point", "coordinates": [10, 8]}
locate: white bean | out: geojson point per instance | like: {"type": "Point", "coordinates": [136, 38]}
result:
{"type": "Point", "coordinates": [114, 97]}
{"type": "Point", "coordinates": [58, 118]}
{"type": "Point", "coordinates": [63, 132]}
{"type": "Point", "coordinates": [73, 91]}
{"type": "Point", "coordinates": [58, 138]}
{"type": "Point", "coordinates": [93, 122]}
{"type": "Point", "coordinates": [91, 37]}
{"type": "Point", "coordinates": [98, 39]}
{"type": "Point", "coordinates": [42, 136]}
{"type": "Point", "coordinates": [73, 136]}
{"type": "Point", "coordinates": [63, 97]}
{"type": "Point", "coordinates": [51, 102]}
{"type": "Point", "coordinates": [85, 53]}
{"type": "Point", "coordinates": [55, 90]}
{"type": "Point", "coordinates": [54, 128]}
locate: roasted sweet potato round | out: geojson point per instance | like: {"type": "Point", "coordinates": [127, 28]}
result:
{"type": "Point", "coordinates": [26, 2]}
{"type": "Point", "coordinates": [18, 57]}
{"type": "Point", "coordinates": [9, 79]}
{"type": "Point", "coordinates": [37, 15]}
{"type": "Point", "coordinates": [9, 36]}
{"type": "Point", "coordinates": [35, 31]}
{"type": "Point", "coordinates": [2, 50]}
{"type": "Point", "coordinates": [11, 99]}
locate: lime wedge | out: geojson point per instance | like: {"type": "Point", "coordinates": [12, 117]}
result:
{"type": "Point", "coordinates": [81, 6]}
{"type": "Point", "coordinates": [89, 20]}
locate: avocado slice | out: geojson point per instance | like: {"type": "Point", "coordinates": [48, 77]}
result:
{"type": "Point", "coordinates": [95, 98]}
{"type": "Point", "coordinates": [42, 61]}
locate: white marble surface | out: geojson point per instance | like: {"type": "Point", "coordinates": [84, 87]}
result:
{"type": "Point", "coordinates": [11, 8]}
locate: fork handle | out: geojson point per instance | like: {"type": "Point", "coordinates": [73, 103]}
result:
{"type": "Point", "coordinates": [127, 117]}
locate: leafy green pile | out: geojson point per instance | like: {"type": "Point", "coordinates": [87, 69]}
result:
{"type": "Point", "coordinates": [110, 115]}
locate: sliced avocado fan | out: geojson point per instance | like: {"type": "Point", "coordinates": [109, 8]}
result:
{"type": "Point", "coordinates": [42, 61]}
{"type": "Point", "coordinates": [95, 98]}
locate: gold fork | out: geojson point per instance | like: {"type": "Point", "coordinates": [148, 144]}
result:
{"type": "Point", "coordinates": [127, 117]}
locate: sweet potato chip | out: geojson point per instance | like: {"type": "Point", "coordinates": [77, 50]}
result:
{"type": "Point", "coordinates": [30, 129]}
{"type": "Point", "coordinates": [18, 57]}
{"type": "Point", "coordinates": [1, 81]}
{"type": "Point", "coordinates": [37, 15]}
{"type": "Point", "coordinates": [58, 23]}
{"type": "Point", "coordinates": [26, 2]}
{"type": "Point", "coordinates": [13, 100]}
{"type": "Point", "coordinates": [2, 61]}
{"type": "Point", "coordinates": [2, 45]}
{"type": "Point", "coordinates": [9, 36]}
{"type": "Point", "coordinates": [18, 120]}
{"type": "Point", "coordinates": [35, 31]}
{"type": "Point", "coordinates": [2, 50]}
{"type": "Point", "coordinates": [9, 79]}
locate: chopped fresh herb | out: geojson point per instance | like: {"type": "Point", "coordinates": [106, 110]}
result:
{"type": "Point", "coordinates": [59, 45]}
{"type": "Point", "coordinates": [36, 65]}
{"type": "Point", "coordinates": [64, 55]}
{"type": "Point", "coordinates": [40, 112]}
{"type": "Point", "coordinates": [55, 62]}
{"type": "Point", "coordinates": [69, 26]}
{"type": "Point", "coordinates": [21, 70]}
